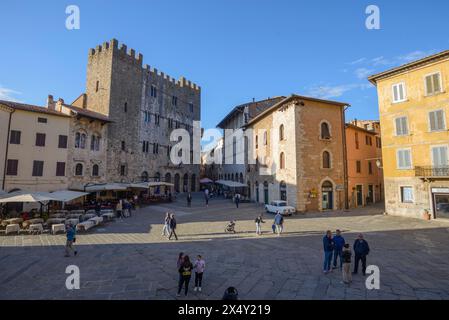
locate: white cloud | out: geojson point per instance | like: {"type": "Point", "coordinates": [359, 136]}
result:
{"type": "Point", "coordinates": [328, 91]}
{"type": "Point", "coordinates": [8, 94]}
{"type": "Point", "coordinates": [358, 61]}
{"type": "Point", "coordinates": [363, 73]}
{"type": "Point", "coordinates": [415, 55]}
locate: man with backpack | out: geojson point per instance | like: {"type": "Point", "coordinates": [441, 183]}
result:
{"type": "Point", "coordinates": [279, 222]}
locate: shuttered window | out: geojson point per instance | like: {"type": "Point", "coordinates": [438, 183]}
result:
{"type": "Point", "coordinates": [401, 126]}
{"type": "Point", "coordinates": [437, 121]}
{"type": "Point", "coordinates": [404, 159]}
{"type": "Point", "coordinates": [15, 137]}
{"type": "Point", "coordinates": [40, 139]}
{"type": "Point", "coordinates": [399, 94]}
{"type": "Point", "coordinates": [433, 84]}
{"type": "Point", "coordinates": [60, 169]}
{"type": "Point", "coordinates": [11, 167]}
{"type": "Point", "coordinates": [439, 156]}
{"type": "Point", "coordinates": [38, 168]}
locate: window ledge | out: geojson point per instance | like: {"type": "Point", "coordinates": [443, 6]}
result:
{"type": "Point", "coordinates": [434, 94]}
{"type": "Point", "coordinates": [399, 102]}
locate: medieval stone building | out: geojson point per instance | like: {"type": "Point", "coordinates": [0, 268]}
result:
{"type": "Point", "coordinates": [144, 106]}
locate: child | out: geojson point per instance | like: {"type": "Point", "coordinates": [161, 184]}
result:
{"type": "Point", "coordinates": [199, 267]}
{"type": "Point", "coordinates": [346, 256]}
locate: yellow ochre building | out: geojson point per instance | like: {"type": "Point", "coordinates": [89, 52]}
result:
{"type": "Point", "coordinates": [414, 107]}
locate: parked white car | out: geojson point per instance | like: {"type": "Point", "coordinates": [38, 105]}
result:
{"type": "Point", "coordinates": [280, 206]}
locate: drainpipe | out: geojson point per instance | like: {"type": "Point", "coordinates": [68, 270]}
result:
{"type": "Point", "coordinates": [345, 155]}
{"type": "Point", "coordinates": [6, 150]}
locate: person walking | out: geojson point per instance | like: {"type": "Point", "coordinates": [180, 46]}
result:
{"type": "Point", "coordinates": [279, 221]}
{"type": "Point", "coordinates": [237, 199]}
{"type": "Point", "coordinates": [361, 250]}
{"type": "Point", "coordinates": [119, 209]}
{"type": "Point", "coordinates": [185, 272]}
{"type": "Point", "coordinates": [346, 270]}
{"type": "Point", "coordinates": [71, 239]}
{"type": "Point", "coordinates": [328, 246]}
{"type": "Point", "coordinates": [166, 228]}
{"type": "Point", "coordinates": [258, 221]}
{"type": "Point", "coordinates": [339, 242]}
{"type": "Point", "coordinates": [199, 267]}
{"type": "Point", "coordinates": [173, 227]}
{"type": "Point", "coordinates": [189, 200]}
{"type": "Point", "coordinates": [206, 197]}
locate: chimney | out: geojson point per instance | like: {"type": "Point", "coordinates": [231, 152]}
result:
{"type": "Point", "coordinates": [59, 104]}
{"type": "Point", "coordinates": [50, 102]}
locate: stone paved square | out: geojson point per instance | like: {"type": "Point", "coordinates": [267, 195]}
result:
{"type": "Point", "coordinates": [129, 259]}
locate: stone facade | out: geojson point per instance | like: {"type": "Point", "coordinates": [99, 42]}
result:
{"type": "Point", "coordinates": [413, 108]}
{"type": "Point", "coordinates": [235, 153]}
{"type": "Point", "coordinates": [365, 178]}
{"type": "Point", "coordinates": [289, 164]}
{"type": "Point", "coordinates": [144, 106]}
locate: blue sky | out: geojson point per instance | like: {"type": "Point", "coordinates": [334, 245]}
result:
{"type": "Point", "coordinates": [235, 49]}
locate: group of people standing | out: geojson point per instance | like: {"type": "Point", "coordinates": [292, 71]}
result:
{"type": "Point", "coordinates": [277, 226]}
{"type": "Point", "coordinates": [124, 208]}
{"type": "Point", "coordinates": [169, 228]}
{"type": "Point", "coordinates": [336, 248]}
{"type": "Point", "coordinates": [185, 269]}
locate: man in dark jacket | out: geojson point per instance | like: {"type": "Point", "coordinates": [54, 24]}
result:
{"type": "Point", "coordinates": [339, 242]}
{"type": "Point", "coordinates": [328, 246]}
{"type": "Point", "coordinates": [172, 227]}
{"type": "Point", "coordinates": [361, 250]}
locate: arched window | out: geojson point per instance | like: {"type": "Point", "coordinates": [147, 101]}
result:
{"type": "Point", "coordinates": [265, 138]}
{"type": "Point", "coordinates": [241, 177]}
{"type": "Point", "coordinates": [325, 132]}
{"type": "Point", "coordinates": [95, 143]}
{"type": "Point", "coordinates": [326, 160]}
{"type": "Point", "coordinates": [193, 183]}
{"type": "Point", "coordinates": [157, 177]}
{"type": "Point", "coordinates": [77, 139]}
{"type": "Point", "coordinates": [283, 191]}
{"type": "Point", "coordinates": [281, 132]}
{"type": "Point", "coordinates": [80, 140]}
{"type": "Point", "coordinates": [282, 160]}
{"type": "Point", "coordinates": [95, 170]}
{"type": "Point", "coordinates": [185, 181]}
{"type": "Point", "coordinates": [236, 177]}
{"type": "Point", "coordinates": [144, 176]}
{"type": "Point", "coordinates": [168, 177]}
{"type": "Point", "coordinates": [79, 169]}
{"type": "Point", "coordinates": [232, 177]}
{"type": "Point", "coordinates": [257, 141]}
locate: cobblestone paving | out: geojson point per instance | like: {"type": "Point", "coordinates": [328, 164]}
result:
{"type": "Point", "coordinates": [129, 259]}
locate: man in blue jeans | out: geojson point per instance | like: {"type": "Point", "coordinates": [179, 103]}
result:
{"type": "Point", "coordinates": [328, 245]}
{"type": "Point", "coordinates": [339, 242]}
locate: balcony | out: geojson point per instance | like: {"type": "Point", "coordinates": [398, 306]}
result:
{"type": "Point", "coordinates": [432, 172]}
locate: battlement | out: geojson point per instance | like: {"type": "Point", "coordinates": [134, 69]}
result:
{"type": "Point", "coordinates": [181, 82]}
{"type": "Point", "coordinates": [122, 50]}
{"type": "Point", "coordinates": [113, 47]}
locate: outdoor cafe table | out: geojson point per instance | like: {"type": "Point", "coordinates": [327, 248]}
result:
{"type": "Point", "coordinates": [55, 220]}
{"type": "Point", "coordinates": [108, 215]}
{"type": "Point", "coordinates": [57, 215]}
{"type": "Point", "coordinates": [12, 221]}
{"type": "Point", "coordinates": [73, 221]}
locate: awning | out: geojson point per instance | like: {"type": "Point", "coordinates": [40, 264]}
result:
{"type": "Point", "coordinates": [146, 185]}
{"type": "Point", "coordinates": [25, 196]}
{"type": "Point", "coordinates": [206, 180]}
{"type": "Point", "coordinates": [67, 195]}
{"type": "Point", "coordinates": [106, 187]}
{"type": "Point", "coordinates": [231, 184]}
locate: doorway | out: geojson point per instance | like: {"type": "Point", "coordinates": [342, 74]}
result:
{"type": "Point", "coordinates": [359, 195]}
{"type": "Point", "coordinates": [327, 196]}
{"type": "Point", "coordinates": [265, 192]}
{"type": "Point", "coordinates": [441, 205]}
{"type": "Point", "coordinates": [370, 194]}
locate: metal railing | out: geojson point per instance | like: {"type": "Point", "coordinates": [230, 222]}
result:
{"type": "Point", "coordinates": [431, 171]}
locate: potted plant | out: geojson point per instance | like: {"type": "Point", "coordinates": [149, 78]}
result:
{"type": "Point", "coordinates": [426, 214]}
